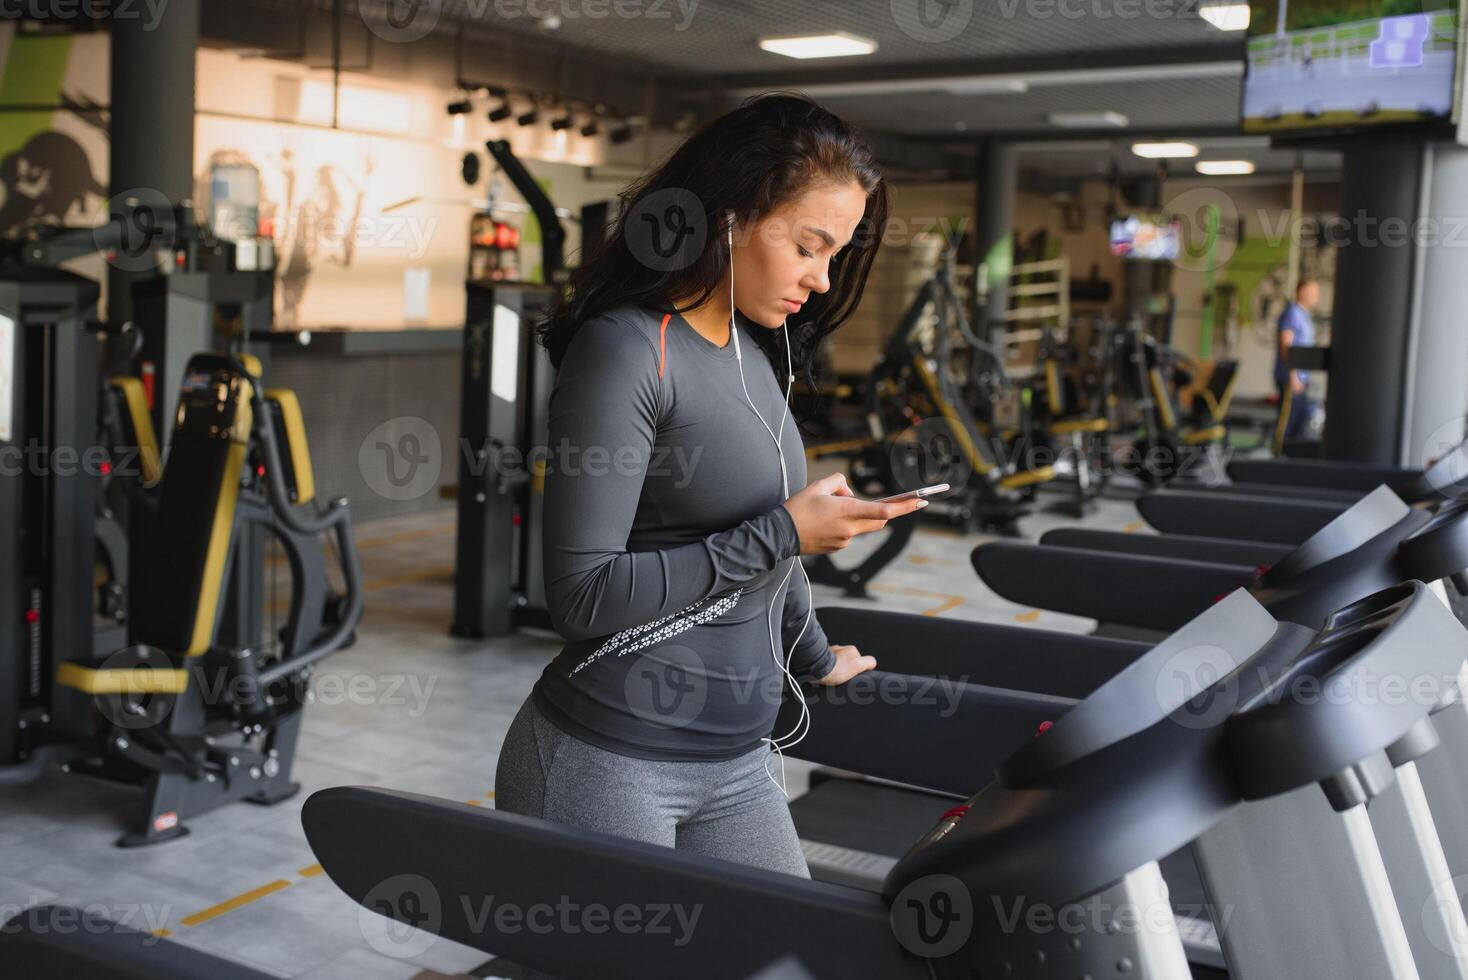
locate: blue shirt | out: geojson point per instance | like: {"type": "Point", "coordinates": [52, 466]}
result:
{"type": "Point", "coordinates": [1295, 319]}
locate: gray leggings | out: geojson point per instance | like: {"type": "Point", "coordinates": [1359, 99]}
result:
{"type": "Point", "coordinates": [727, 809]}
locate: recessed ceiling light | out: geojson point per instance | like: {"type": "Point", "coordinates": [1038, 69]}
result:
{"type": "Point", "coordinates": [1226, 16]}
{"type": "Point", "coordinates": [838, 44]}
{"type": "Point", "coordinates": [981, 85]}
{"type": "Point", "coordinates": [1224, 168]}
{"type": "Point", "coordinates": [1164, 151]}
{"type": "Point", "coordinates": [1089, 120]}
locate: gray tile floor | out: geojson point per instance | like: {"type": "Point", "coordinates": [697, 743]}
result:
{"type": "Point", "coordinates": [409, 707]}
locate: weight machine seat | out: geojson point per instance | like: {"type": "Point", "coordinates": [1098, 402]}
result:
{"type": "Point", "coordinates": [1167, 415]}
{"type": "Point", "coordinates": [138, 426]}
{"type": "Point", "coordinates": [58, 942]}
{"type": "Point", "coordinates": [1079, 423]}
{"type": "Point", "coordinates": [1062, 424]}
{"type": "Point", "coordinates": [290, 434]}
{"type": "Point", "coordinates": [1218, 393]}
{"type": "Point", "coordinates": [1027, 478]}
{"type": "Point", "coordinates": [187, 558]}
{"type": "Point", "coordinates": [822, 449]}
{"type": "Point", "coordinates": [1196, 437]}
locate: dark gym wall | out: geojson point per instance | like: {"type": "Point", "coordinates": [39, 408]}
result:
{"type": "Point", "coordinates": [345, 397]}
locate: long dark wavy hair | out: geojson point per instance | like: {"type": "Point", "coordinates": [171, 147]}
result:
{"type": "Point", "coordinates": [752, 161]}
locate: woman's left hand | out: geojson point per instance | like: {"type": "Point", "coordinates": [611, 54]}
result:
{"type": "Point", "coordinates": [849, 663]}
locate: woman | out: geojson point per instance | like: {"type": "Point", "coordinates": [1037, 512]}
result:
{"type": "Point", "coordinates": [671, 533]}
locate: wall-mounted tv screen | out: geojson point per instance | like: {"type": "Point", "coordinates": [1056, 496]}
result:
{"type": "Point", "coordinates": [1144, 237]}
{"type": "Point", "coordinates": [1347, 64]}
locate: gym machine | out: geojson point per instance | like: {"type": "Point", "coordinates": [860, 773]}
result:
{"type": "Point", "coordinates": [196, 706]}
{"type": "Point", "coordinates": [504, 415]}
{"type": "Point", "coordinates": [48, 392]}
{"type": "Point", "coordinates": [1380, 541]}
{"type": "Point", "coordinates": [1117, 782]}
{"type": "Point", "coordinates": [1158, 582]}
{"type": "Point", "coordinates": [1291, 514]}
{"type": "Point", "coordinates": [60, 942]}
{"type": "Point", "coordinates": [1138, 368]}
{"type": "Point", "coordinates": [854, 831]}
{"type": "Point", "coordinates": [918, 424]}
{"type": "Point", "coordinates": [506, 379]}
{"type": "Point", "coordinates": [1069, 427]}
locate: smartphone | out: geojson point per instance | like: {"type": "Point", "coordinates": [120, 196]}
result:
{"type": "Point", "coordinates": [919, 492]}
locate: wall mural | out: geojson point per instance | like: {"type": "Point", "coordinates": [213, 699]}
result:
{"type": "Point", "coordinates": [329, 194]}
{"type": "Point", "coordinates": [369, 221]}
{"type": "Point", "coordinates": [44, 182]}
{"type": "Point", "coordinates": [52, 161]}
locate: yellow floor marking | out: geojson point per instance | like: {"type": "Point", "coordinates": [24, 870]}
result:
{"type": "Point", "coordinates": [953, 602]}
{"type": "Point", "coordinates": [1028, 617]}
{"type": "Point", "coordinates": [949, 601]}
{"type": "Point", "coordinates": [239, 901]}
{"type": "Point", "coordinates": [926, 560]}
{"type": "Point", "coordinates": [474, 802]}
{"type": "Point", "coordinates": [1134, 527]}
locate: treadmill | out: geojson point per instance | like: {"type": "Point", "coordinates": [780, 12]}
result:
{"type": "Point", "coordinates": [1159, 582]}
{"type": "Point", "coordinates": [1069, 826]}
{"type": "Point", "coordinates": [1261, 512]}
{"type": "Point", "coordinates": [1378, 542]}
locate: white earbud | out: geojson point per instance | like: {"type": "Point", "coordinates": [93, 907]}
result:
{"type": "Point", "coordinates": [802, 725]}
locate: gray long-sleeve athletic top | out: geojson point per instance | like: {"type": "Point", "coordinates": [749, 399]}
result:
{"type": "Point", "coordinates": [665, 539]}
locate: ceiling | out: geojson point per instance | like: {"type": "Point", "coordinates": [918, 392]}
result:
{"type": "Point", "coordinates": [1156, 62]}
{"type": "Point", "coordinates": [718, 37]}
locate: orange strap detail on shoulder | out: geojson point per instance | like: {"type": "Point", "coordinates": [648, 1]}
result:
{"type": "Point", "coordinates": [663, 344]}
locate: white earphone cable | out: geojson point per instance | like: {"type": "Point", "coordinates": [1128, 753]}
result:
{"type": "Point", "coordinates": [802, 725]}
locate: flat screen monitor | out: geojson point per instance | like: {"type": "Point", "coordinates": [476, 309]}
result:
{"type": "Point", "coordinates": [1145, 237]}
{"type": "Point", "coordinates": [1349, 64]}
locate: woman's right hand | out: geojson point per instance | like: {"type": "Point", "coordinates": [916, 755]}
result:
{"type": "Point", "coordinates": [828, 515]}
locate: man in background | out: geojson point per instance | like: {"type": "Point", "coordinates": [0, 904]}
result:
{"type": "Point", "coordinates": [1296, 327]}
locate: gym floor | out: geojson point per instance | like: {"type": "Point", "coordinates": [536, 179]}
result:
{"type": "Point", "coordinates": [408, 707]}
